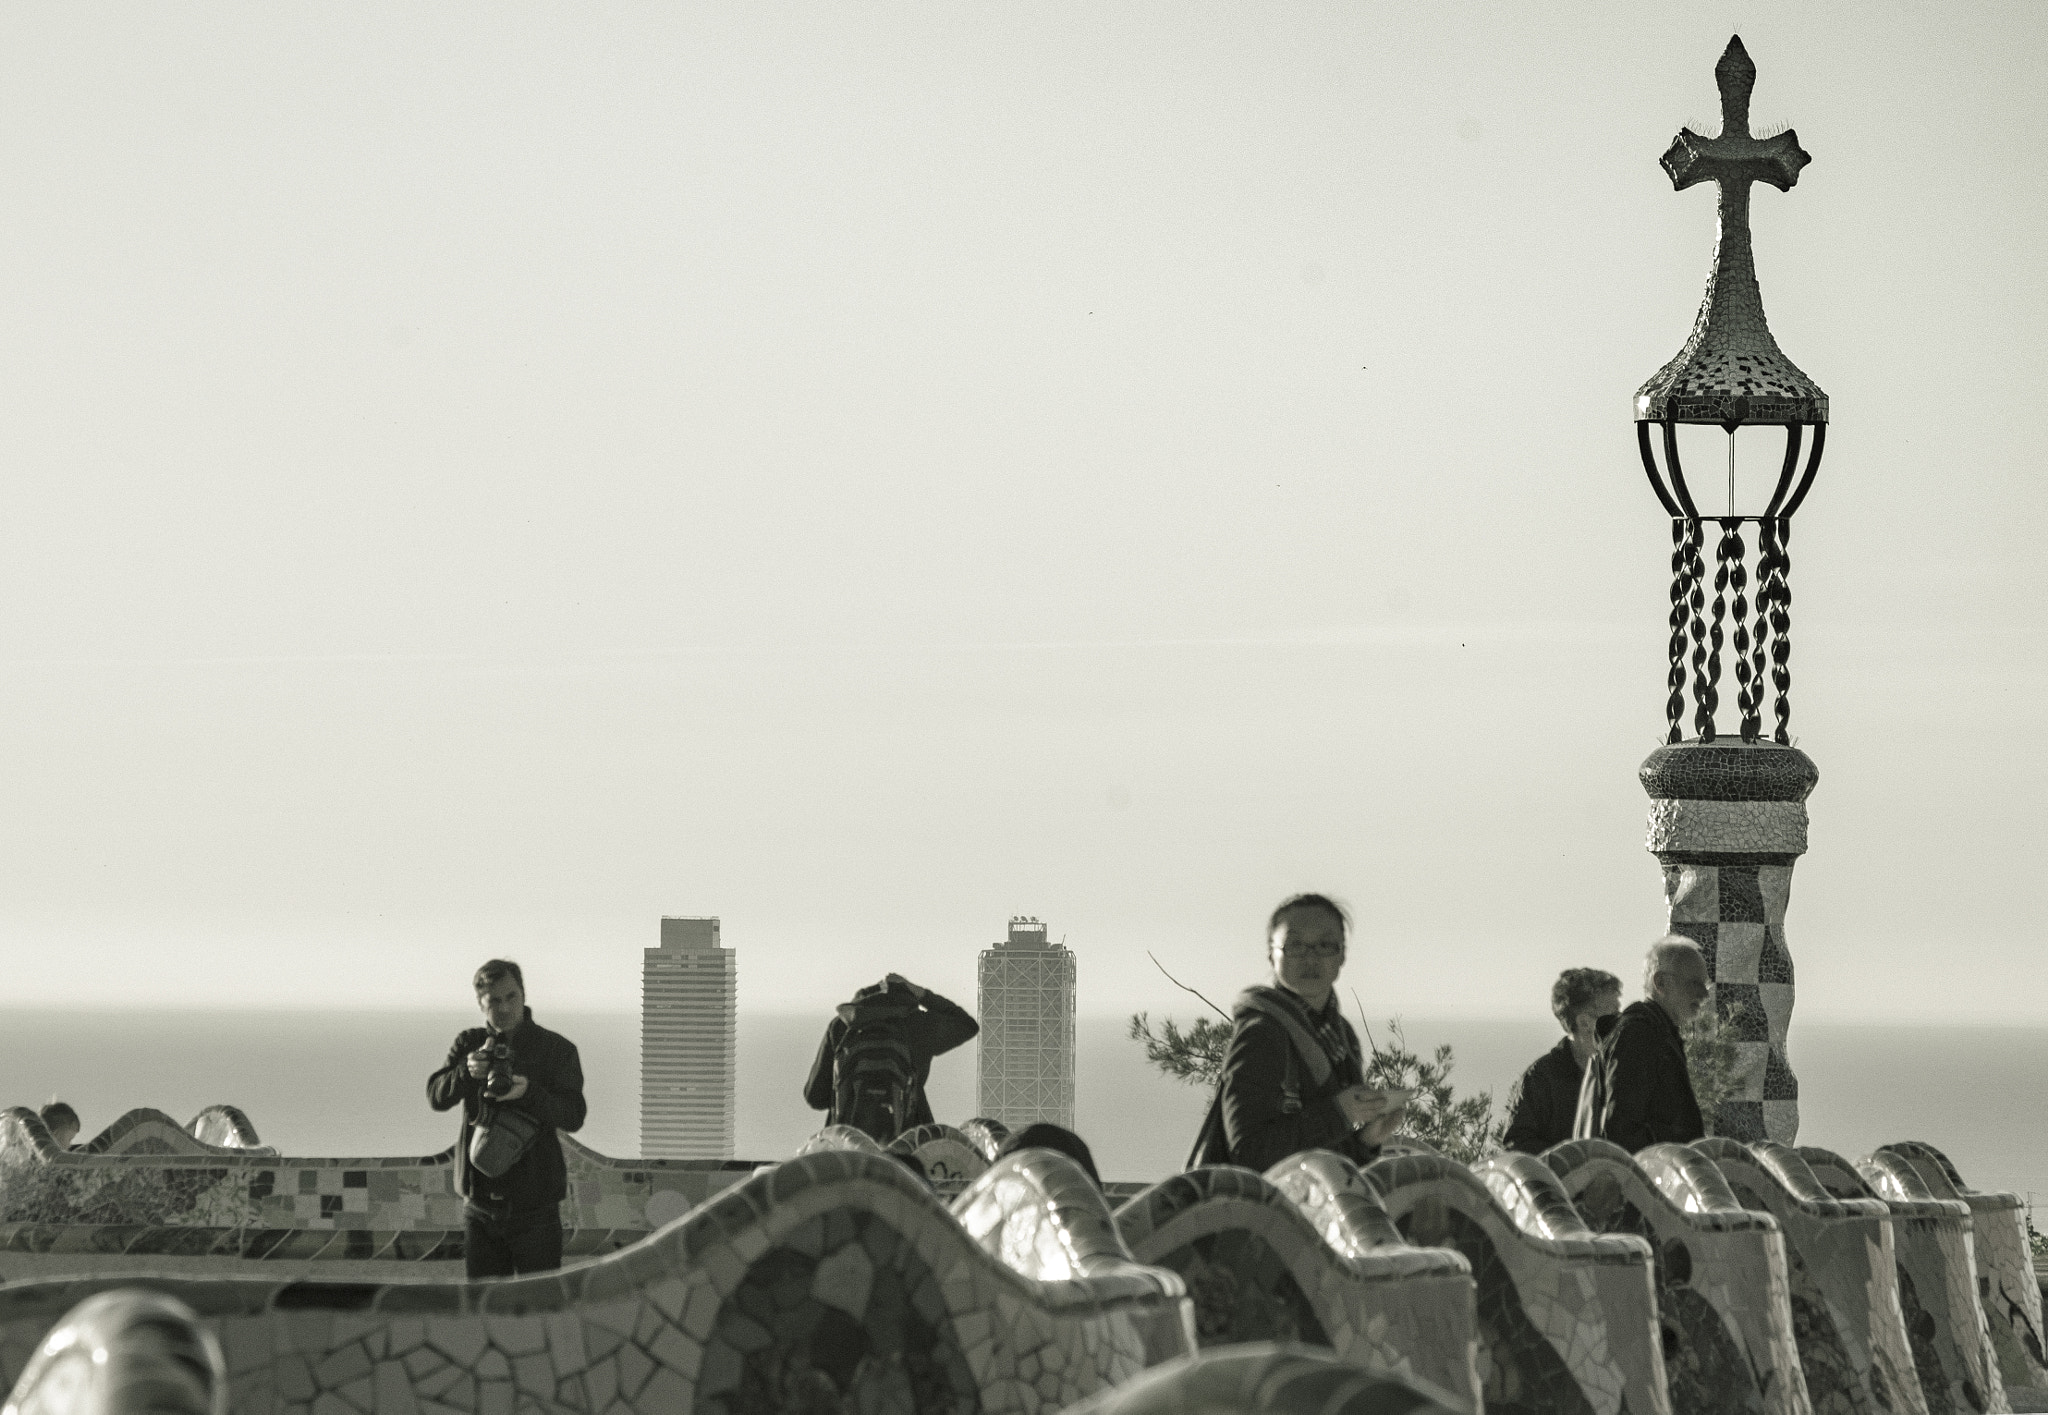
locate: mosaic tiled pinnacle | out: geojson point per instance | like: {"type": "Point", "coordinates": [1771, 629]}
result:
{"type": "Point", "coordinates": [1731, 371]}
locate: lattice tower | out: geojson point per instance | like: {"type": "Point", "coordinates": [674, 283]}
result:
{"type": "Point", "coordinates": [1026, 1066]}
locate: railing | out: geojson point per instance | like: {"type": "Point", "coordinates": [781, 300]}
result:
{"type": "Point", "coordinates": [1761, 630]}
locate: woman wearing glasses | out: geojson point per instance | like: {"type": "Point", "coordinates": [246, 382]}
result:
{"type": "Point", "coordinates": [1294, 1077]}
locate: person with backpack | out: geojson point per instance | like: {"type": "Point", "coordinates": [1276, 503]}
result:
{"type": "Point", "coordinates": [1293, 1077]}
{"type": "Point", "coordinates": [877, 1054]}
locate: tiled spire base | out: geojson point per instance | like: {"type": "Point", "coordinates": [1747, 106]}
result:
{"type": "Point", "coordinates": [1727, 821]}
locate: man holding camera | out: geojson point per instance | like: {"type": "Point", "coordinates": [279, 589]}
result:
{"type": "Point", "coordinates": [518, 1084]}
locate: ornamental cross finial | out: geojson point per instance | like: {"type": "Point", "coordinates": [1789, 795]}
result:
{"type": "Point", "coordinates": [1731, 371]}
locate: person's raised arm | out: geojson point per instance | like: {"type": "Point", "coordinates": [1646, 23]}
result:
{"type": "Point", "coordinates": [1261, 1131]}
{"type": "Point", "coordinates": [945, 1023]}
{"type": "Point", "coordinates": [818, 1088]}
{"type": "Point", "coordinates": [453, 1084]}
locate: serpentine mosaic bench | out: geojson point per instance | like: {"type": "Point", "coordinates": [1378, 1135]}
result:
{"type": "Point", "coordinates": [1845, 1288]}
{"type": "Point", "coordinates": [126, 1352]}
{"type": "Point", "coordinates": [834, 1280]}
{"type": "Point", "coordinates": [1567, 1317]}
{"type": "Point", "coordinates": [949, 1159]}
{"type": "Point", "coordinates": [1267, 1378]}
{"type": "Point", "coordinates": [153, 1191]}
{"type": "Point", "coordinates": [216, 1130]}
{"type": "Point", "coordinates": [1306, 1254]}
{"type": "Point", "coordinates": [1723, 1294]}
{"type": "Point", "coordinates": [1937, 1277]}
{"type": "Point", "coordinates": [2007, 1290]}
{"type": "Point", "coordinates": [225, 1128]}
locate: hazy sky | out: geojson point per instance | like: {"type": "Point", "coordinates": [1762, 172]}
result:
{"type": "Point", "coordinates": [480, 478]}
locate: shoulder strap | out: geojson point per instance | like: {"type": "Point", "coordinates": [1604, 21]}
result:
{"type": "Point", "coordinates": [1305, 1042]}
{"type": "Point", "coordinates": [1212, 1145]}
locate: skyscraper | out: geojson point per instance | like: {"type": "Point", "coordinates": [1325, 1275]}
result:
{"type": "Point", "coordinates": [1026, 991]}
{"type": "Point", "coordinates": [688, 988]}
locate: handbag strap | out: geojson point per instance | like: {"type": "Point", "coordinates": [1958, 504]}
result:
{"type": "Point", "coordinates": [1306, 1043]}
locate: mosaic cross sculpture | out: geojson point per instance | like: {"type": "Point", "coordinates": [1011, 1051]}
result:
{"type": "Point", "coordinates": [1728, 813]}
{"type": "Point", "coordinates": [1731, 371]}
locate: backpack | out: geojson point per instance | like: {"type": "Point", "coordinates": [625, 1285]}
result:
{"type": "Point", "coordinates": [872, 1081]}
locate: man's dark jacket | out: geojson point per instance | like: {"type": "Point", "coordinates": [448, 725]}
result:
{"type": "Point", "coordinates": [1637, 1091]}
{"type": "Point", "coordinates": [928, 1024]}
{"type": "Point", "coordinates": [554, 1097]}
{"type": "Point", "coordinates": [1271, 1103]}
{"type": "Point", "coordinates": [1545, 1101]}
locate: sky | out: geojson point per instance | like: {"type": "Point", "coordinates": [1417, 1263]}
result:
{"type": "Point", "coordinates": [483, 477]}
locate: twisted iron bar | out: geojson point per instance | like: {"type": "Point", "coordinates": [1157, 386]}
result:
{"type": "Point", "coordinates": [1710, 702]}
{"type": "Point", "coordinates": [1696, 574]}
{"type": "Point", "coordinates": [1781, 631]}
{"type": "Point", "coordinates": [1674, 682]}
{"type": "Point", "coordinates": [1766, 560]}
{"type": "Point", "coordinates": [1738, 583]}
{"type": "Point", "coordinates": [1763, 625]}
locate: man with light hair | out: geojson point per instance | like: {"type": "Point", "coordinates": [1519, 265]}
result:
{"type": "Point", "coordinates": [1637, 1090]}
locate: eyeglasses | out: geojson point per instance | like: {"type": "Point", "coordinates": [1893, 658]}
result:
{"type": "Point", "coordinates": [1311, 950]}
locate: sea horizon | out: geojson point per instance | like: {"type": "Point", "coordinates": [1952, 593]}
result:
{"type": "Point", "coordinates": [352, 1081]}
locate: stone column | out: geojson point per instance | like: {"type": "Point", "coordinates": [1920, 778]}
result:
{"type": "Point", "coordinates": [1727, 821]}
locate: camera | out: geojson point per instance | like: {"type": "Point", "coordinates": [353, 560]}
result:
{"type": "Point", "coordinates": [498, 1079]}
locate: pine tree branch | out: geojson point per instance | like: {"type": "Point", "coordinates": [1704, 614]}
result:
{"type": "Point", "coordinates": [1184, 987]}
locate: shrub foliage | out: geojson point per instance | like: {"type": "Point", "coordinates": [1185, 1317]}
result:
{"type": "Point", "coordinates": [1717, 1069]}
{"type": "Point", "coordinates": [1462, 1128]}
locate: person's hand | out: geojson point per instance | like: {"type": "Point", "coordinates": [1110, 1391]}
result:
{"type": "Point", "coordinates": [1378, 1132]}
{"type": "Point", "coordinates": [1360, 1104]}
{"type": "Point", "coordinates": [518, 1089]}
{"type": "Point", "coordinates": [1376, 1113]}
{"type": "Point", "coordinates": [478, 1062]}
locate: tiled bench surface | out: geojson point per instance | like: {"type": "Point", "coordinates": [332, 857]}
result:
{"type": "Point", "coordinates": [949, 1159]}
{"type": "Point", "coordinates": [833, 1277]}
{"type": "Point", "coordinates": [145, 1187]}
{"type": "Point", "coordinates": [1567, 1317]}
{"type": "Point", "coordinates": [2007, 1288]}
{"type": "Point", "coordinates": [125, 1352]}
{"type": "Point", "coordinates": [225, 1127]}
{"type": "Point", "coordinates": [1306, 1254]}
{"type": "Point", "coordinates": [1839, 1255]}
{"type": "Point", "coordinates": [1937, 1278]}
{"type": "Point", "coordinates": [1723, 1296]}
{"type": "Point", "coordinates": [1268, 1378]}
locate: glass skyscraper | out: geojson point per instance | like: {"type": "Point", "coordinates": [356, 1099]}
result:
{"type": "Point", "coordinates": [689, 988]}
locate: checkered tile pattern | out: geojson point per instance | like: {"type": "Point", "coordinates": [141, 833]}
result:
{"type": "Point", "coordinates": [1736, 914]}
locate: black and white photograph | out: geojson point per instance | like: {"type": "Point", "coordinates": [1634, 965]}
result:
{"type": "Point", "coordinates": [917, 708]}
